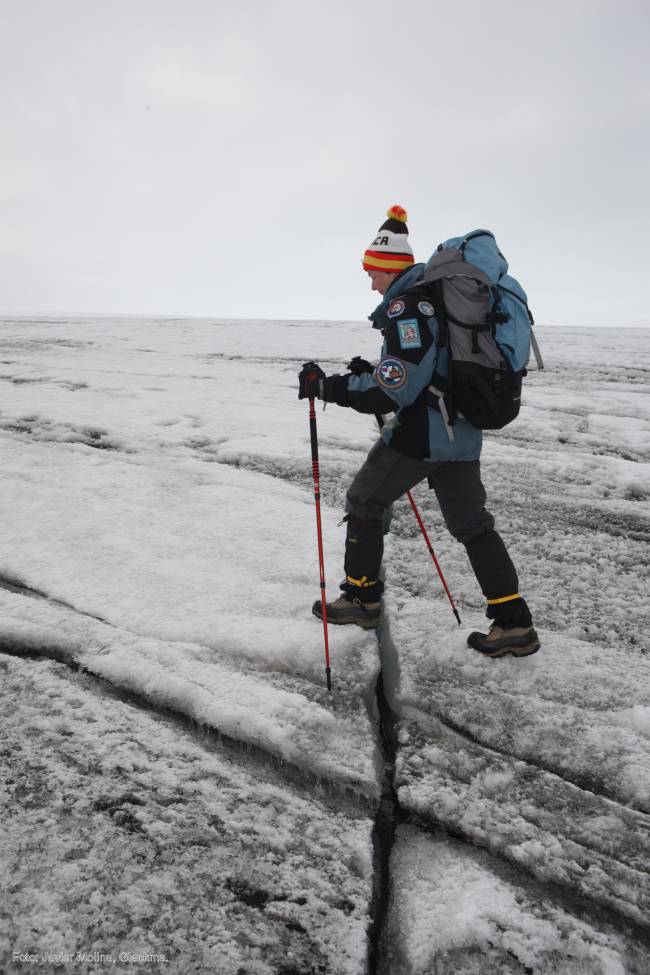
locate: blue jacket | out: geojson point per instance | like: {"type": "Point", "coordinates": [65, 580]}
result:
{"type": "Point", "coordinates": [408, 358]}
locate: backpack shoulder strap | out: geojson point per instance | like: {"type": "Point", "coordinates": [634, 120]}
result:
{"type": "Point", "coordinates": [533, 342]}
{"type": "Point", "coordinates": [440, 314]}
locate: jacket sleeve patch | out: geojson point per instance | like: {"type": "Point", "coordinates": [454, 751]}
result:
{"type": "Point", "coordinates": [396, 308]}
{"type": "Point", "coordinates": [409, 334]}
{"type": "Point", "coordinates": [391, 373]}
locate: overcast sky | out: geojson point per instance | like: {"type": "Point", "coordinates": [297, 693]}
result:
{"type": "Point", "coordinates": [234, 159]}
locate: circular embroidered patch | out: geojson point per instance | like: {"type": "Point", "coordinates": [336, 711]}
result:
{"type": "Point", "coordinates": [391, 373]}
{"type": "Point", "coordinates": [426, 308]}
{"type": "Point", "coordinates": [396, 308]}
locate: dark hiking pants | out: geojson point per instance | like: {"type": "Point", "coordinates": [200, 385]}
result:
{"type": "Point", "coordinates": [387, 475]}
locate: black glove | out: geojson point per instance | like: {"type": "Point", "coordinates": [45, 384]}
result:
{"type": "Point", "coordinates": [358, 366]}
{"type": "Point", "coordinates": [311, 382]}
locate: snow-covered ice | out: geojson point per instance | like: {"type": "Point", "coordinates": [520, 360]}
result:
{"type": "Point", "coordinates": [210, 569]}
{"type": "Point", "coordinates": [454, 913]}
{"type": "Point", "coordinates": [159, 532]}
{"type": "Point", "coordinates": [123, 833]}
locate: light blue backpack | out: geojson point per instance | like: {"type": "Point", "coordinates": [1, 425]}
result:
{"type": "Point", "coordinates": [486, 327]}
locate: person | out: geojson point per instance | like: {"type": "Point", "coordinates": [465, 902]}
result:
{"type": "Point", "coordinates": [414, 445]}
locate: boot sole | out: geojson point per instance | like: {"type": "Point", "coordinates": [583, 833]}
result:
{"type": "Point", "coordinates": [364, 624]}
{"type": "Point", "coordinates": [526, 651]}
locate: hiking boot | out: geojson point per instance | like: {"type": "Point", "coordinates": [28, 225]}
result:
{"type": "Point", "coordinates": [520, 641]}
{"type": "Point", "coordinates": [344, 610]}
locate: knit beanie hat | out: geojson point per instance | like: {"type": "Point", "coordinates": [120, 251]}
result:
{"type": "Point", "coordinates": [390, 250]}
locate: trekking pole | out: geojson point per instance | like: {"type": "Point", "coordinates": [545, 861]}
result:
{"type": "Point", "coordinates": [433, 555]}
{"type": "Point", "coordinates": [314, 463]}
{"type": "Point", "coordinates": [380, 420]}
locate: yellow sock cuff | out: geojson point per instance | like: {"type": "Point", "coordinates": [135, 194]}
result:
{"type": "Point", "coordinates": [503, 599]}
{"type": "Point", "coordinates": [362, 583]}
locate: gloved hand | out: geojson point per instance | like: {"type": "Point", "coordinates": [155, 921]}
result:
{"type": "Point", "coordinates": [358, 366]}
{"type": "Point", "coordinates": [311, 382]}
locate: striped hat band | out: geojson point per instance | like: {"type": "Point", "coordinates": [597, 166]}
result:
{"type": "Point", "coordinates": [385, 260]}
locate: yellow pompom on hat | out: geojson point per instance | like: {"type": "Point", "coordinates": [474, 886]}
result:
{"type": "Point", "coordinates": [390, 250]}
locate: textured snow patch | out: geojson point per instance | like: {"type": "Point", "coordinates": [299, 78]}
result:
{"type": "Point", "coordinates": [122, 832]}
{"type": "Point", "coordinates": [637, 718]}
{"type": "Point", "coordinates": [555, 830]}
{"type": "Point", "coordinates": [451, 913]}
{"type": "Point", "coordinates": [295, 723]}
{"type": "Point", "coordinates": [574, 709]}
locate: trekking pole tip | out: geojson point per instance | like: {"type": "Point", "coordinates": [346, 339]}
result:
{"type": "Point", "coordinates": [328, 674]}
{"type": "Point", "coordinates": [457, 617]}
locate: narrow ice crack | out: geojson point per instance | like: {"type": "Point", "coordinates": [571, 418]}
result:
{"type": "Point", "coordinates": [326, 789]}
{"type": "Point", "coordinates": [391, 814]}
{"type": "Point", "coordinates": [12, 584]}
{"type": "Point", "coordinates": [585, 782]}
{"type": "Point", "coordinates": [387, 817]}
{"type": "Point", "coordinates": [388, 814]}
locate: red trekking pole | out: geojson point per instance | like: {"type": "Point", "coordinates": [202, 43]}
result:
{"type": "Point", "coordinates": [380, 420]}
{"type": "Point", "coordinates": [433, 554]}
{"type": "Point", "coordinates": [314, 463]}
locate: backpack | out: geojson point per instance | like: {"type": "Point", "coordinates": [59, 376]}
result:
{"type": "Point", "coordinates": [485, 325]}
